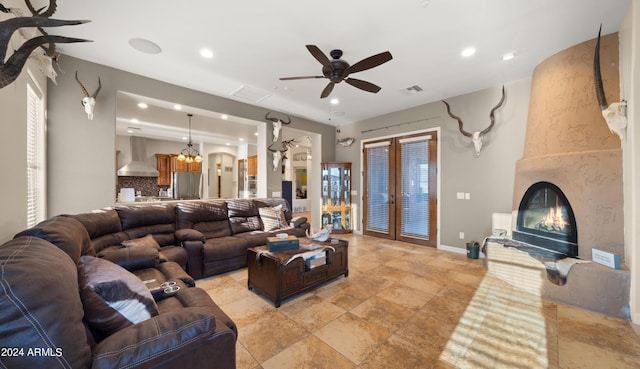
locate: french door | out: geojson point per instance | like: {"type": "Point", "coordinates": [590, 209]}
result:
{"type": "Point", "coordinates": [399, 188]}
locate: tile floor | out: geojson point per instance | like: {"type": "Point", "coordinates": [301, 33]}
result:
{"type": "Point", "coordinates": [406, 306]}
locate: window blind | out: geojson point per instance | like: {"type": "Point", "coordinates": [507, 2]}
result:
{"type": "Point", "coordinates": [35, 156]}
{"type": "Point", "coordinates": [378, 188]}
{"type": "Point", "coordinates": [415, 188]}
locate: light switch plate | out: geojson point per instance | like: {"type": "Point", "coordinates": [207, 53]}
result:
{"type": "Point", "coordinates": [460, 195]}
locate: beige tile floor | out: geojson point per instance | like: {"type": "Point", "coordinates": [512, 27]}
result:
{"type": "Point", "coordinates": [406, 306]}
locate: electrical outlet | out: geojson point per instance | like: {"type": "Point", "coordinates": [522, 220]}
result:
{"type": "Point", "coordinates": [461, 235]}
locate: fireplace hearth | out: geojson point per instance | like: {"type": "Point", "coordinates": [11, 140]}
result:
{"type": "Point", "coordinates": [546, 219]}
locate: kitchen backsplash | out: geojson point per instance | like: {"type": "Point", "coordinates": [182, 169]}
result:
{"type": "Point", "coordinates": [147, 185]}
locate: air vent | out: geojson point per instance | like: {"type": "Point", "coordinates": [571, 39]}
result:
{"type": "Point", "coordinates": [250, 93]}
{"type": "Point", "coordinates": [412, 90]}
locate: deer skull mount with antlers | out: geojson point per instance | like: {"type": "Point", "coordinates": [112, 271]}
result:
{"type": "Point", "coordinates": [89, 101]}
{"type": "Point", "coordinates": [476, 137]}
{"type": "Point", "coordinates": [615, 114]}
{"type": "Point", "coordinates": [276, 124]}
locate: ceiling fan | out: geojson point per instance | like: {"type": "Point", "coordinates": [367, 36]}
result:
{"type": "Point", "coordinates": [338, 70]}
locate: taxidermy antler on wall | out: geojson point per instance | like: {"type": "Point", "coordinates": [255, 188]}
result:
{"type": "Point", "coordinates": [10, 68]}
{"type": "Point", "coordinates": [89, 101]}
{"type": "Point", "coordinates": [281, 154]}
{"type": "Point", "coordinates": [615, 113]}
{"type": "Point", "coordinates": [476, 137]}
{"type": "Point", "coordinates": [277, 125]}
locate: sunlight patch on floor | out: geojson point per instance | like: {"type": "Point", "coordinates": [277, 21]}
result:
{"type": "Point", "coordinates": [514, 333]}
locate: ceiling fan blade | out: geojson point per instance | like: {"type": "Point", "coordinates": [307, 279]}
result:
{"type": "Point", "coordinates": [363, 85]}
{"type": "Point", "coordinates": [319, 55]}
{"type": "Point", "coordinates": [303, 77]}
{"type": "Point", "coordinates": [370, 62]}
{"type": "Point", "coordinates": [327, 90]}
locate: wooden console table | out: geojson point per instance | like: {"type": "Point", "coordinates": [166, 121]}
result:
{"type": "Point", "coordinates": [279, 275]}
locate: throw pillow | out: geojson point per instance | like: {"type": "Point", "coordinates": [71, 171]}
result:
{"type": "Point", "coordinates": [273, 218]}
{"type": "Point", "coordinates": [146, 241]}
{"type": "Point", "coordinates": [113, 298]}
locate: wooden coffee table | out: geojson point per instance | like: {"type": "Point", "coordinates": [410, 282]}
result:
{"type": "Point", "coordinates": [279, 275]}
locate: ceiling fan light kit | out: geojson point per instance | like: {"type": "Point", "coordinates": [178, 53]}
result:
{"type": "Point", "coordinates": [338, 70]}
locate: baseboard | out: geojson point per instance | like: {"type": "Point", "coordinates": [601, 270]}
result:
{"type": "Point", "coordinates": [457, 250]}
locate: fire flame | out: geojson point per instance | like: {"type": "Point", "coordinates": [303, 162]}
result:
{"type": "Point", "coordinates": [555, 218]}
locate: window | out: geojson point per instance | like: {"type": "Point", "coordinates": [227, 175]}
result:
{"type": "Point", "coordinates": [36, 168]}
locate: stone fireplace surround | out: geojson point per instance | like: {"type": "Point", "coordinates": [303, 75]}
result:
{"type": "Point", "coordinates": [569, 145]}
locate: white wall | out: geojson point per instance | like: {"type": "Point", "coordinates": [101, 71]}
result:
{"type": "Point", "coordinates": [629, 35]}
{"type": "Point", "coordinates": [13, 152]}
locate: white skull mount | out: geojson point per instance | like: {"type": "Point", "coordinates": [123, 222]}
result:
{"type": "Point", "coordinates": [89, 101]}
{"type": "Point", "coordinates": [276, 125]}
{"type": "Point", "coordinates": [615, 114]}
{"type": "Point", "coordinates": [476, 137]}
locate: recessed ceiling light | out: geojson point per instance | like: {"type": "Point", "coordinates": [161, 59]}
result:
{"type": "Point", "coordinates": [228, 144]}
{"type": "Point", "coordinates": [255, 134]}
{"type": "Point", "coordinates": [145, 46]}
{"type": "Point", "coordinates": [135, 120]}
{"type": "Point", "coordinates": [206, 53]}
{"type": "Point", "coordinates": [224, 116]}
{"type": "Point", "coordinates": [142, 105]}
{"type": "Point", "coordinates": [508, 56]}
{"type": "Point", "coordinates": [335, 101]}
{"type": "Point", "coordinates": [468, 52]}
{"type": "Point", "coordinates": [177, 107]}
{"type": "Point", "coordinates": [241, 139]}
{"type": "Point", "coordinates": [184, 138]}
{"type": "Point", "coordinates": [130, 130]}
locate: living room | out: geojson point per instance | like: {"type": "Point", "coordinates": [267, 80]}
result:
{"type": "Point", "coordinates": [81, 166]}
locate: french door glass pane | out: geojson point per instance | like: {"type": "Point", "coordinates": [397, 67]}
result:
{"type": "Point", "coordinates": [415, 189]}
{"type": "Point", "coordinates": [378, 189]}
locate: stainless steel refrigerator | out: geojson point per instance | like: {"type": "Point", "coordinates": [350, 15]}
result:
{"type": "Point", "coordinates": [187, 185]}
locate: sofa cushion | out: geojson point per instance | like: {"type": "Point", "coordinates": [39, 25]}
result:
{"type": "Point", "coordinates": [208, 217]}
{"type": "Point", "coordinates": [112, 297]}
{"type": "Point", "coordinates": [40, 306]}
{"type": "Point", "coordinates": [147, 241]}
{"type": "Point", "coordinates": [65, 232]}
{"type": "Point", "coordinates": [273, 218]}
{"type": "Point", "coordinates": [100, 222]}
{"type": "Point", "coordinates": [243, 216]}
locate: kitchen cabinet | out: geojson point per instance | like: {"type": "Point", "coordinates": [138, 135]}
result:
{"type": "Point", "coordinates": [163, 165]}
{"type": "Point", "coordinates": [166, 164]}
{"type": "Point", "coordinates": [336, 196]}
{"type": "Point", "coordinates": [183, 166]}
{"type": "Point", "coordinates": [252, 166]}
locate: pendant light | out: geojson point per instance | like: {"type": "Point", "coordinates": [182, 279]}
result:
{"type": "Point", "coordinates": [189, 154]}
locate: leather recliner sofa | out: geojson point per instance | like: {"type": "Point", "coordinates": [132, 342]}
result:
{"type": "Point", "coordinates": [46, 318]}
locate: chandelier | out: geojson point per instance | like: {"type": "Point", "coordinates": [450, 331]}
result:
{"type": "Point", "coordinates": [189, 154]}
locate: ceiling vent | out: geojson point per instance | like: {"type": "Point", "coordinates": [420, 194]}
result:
{"type": "Point", "coordinates": [411, 90]}
{"type": "Point", "coordinates": [250, 93]}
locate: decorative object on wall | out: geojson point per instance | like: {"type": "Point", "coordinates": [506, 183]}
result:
{"type": "Point", "coordinates": [10, 68]}
{"type": "Point", "coordinates": [189, 154]}
{"type": "Point", "coordinates": [345, 142]}
{"type": "Point", "coordinates": [337, 70]}
{"type": "Point", "coordinates": [476, 137]}
{"type": "Point", "coordinates": [281, 154]}
{"type": "Point", "coordinates": [89, 101]}
{"type": "Point", "coordinates": [615, 114]}
{"type": "Point", "coordinates": [277, 125]}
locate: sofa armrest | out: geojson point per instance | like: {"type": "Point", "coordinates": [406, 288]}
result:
{"type": "Point", "coordinates": [132, 258]}
{"type": "Point", "coordinates": [188, 338]}
{"type": "Point", "coordinates": [188, 234]}
{"type": "Point", "coordinates": [296, 222]}
{"type": "Point", "coordinates": [195, 254]}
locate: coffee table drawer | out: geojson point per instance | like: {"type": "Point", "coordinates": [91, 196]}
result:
{"type": "Point", "coordinates": [316, 274]}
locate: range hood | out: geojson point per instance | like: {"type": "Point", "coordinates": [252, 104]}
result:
{"type": "Point", "coordinates": [137, 167]}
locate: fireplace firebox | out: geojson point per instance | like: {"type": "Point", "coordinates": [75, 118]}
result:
{"type": "Point", "coordinates": [545, 219]}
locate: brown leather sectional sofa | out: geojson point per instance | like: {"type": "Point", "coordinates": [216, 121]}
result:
{"type": "Point", "coordinates": [51, 274]}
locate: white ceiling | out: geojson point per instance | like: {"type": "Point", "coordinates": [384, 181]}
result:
{"type": "Point", "coordinates": [256, 42]}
